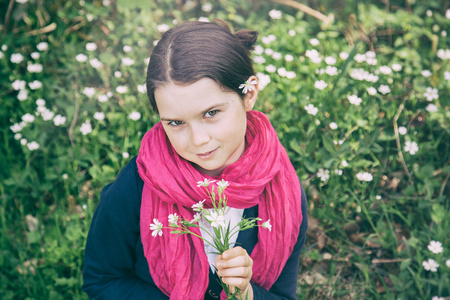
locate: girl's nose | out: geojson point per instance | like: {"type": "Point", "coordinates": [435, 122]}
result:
{"type": "Point", "coordinates": [199, 135]}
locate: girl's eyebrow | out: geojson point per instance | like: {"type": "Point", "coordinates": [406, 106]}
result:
{"type": "Point", "coordinates": [202, 113]}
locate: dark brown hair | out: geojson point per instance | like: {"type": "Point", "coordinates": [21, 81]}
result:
{"type": "Point", "coordinates": [196, 50]}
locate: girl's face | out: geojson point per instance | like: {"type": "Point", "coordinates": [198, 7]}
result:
{"type": "Point", "coordinates": [204, 124]}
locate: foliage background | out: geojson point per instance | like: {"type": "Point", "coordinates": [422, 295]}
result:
{"type": "Point", "coordinates": [367, 238]}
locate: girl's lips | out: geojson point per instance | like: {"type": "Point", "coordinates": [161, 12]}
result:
{"type": "Point", "coordinates": [206, 154]}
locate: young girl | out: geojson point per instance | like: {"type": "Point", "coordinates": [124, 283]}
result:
{"type": "Point", "coordinates": [201, 82]}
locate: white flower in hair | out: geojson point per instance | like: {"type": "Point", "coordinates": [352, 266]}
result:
{"type": "Point", "coordinates": [248, 86]}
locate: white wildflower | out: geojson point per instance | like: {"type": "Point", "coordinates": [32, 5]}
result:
{"type": "Point", "coordinates": [431, 93]}
{"type": "Point", "coordinates": [35, 68]}
{"type": "Point", "coordinates": [329, 60]}
{"type": "Point", "coordinates": [411, 147]}
{"type": "Point", "coordinates": [371, 91]}
{"type": "Point", "coordinates": [276, 55]}
{"type": "Point", "coordinates": [127, 61]}
{"type": "Point", "coordinates": [34, 85]}
{"type": "Point", "coordinates": [205, 183]}
{"type": "Point", "coordinates": [344, 163]}
{"type": "Point", "coordinates": [216, 219]}
{"type": "Point", "coordinates": [100, 116]}
{"type": "Point", "coordinates": [323, 174]}
{"type": "Point", "coordinates": [17, 136]}
{"type": "Point", "coordinates": [275, 14]}
{"type": "Point", "coordinates": [360, 57]}
{"type": "Point", "coordinates": [32, 146]}
{"type": "Point", "coordinates": [59, 120]}
{"type": "Point", "coordinates": [402, 130]}
{"type": "Point", "coordinates": [156, 227]}
{"type": "Point", "coordinates": [314, 42]}
{"type": "Point", "coordinates": [332, 71]}
{"type": "Point", "coordinates": [430, 265]}
{"type": "Point", "coordinates": [268, 51]}
{"type": "Point", "coordinates": [102, 98]}
{"type": "Point", "coordinates": [396, 67]}
{"type": "Point", "coordinates": [384, 89]}
{"type": "Point", "coordinates": [125, 154]}
{"type": "Point", "coordinates": [431, 108]}
{"type": "Point", "coordinates": [22, 95]}
{"type": "Point", "coordinates": [248, 86]}
{"type": "Point", "coordinates": [196, 218]}
{"type": "Point", "coordinates": [173, 219]}
{"type": "Point", "coordinates": [258, 50]}
{"type": "Point", "coordinates": [267, 225]}
{"type": "Point", "coordinates": [259, 60]}
{"type": "Point", "coordinates": [89, 91]}
{"type": "Point", "coordinates": [122, 89]}
{"type": "Point", "coordinates": [263, 80]}
{"type": "Point", "coordinates": [18, 84]}
{"type": "Point", "coordinates": [435, 247]}
{"type": "Point", "coordinates": [282, 72]}
{"type": "Point", "coordinates": [385, 70]}
{"type": "Point", "coordinates": [426, 73]}
{"type": "Point", "coordinates": [271, 68]}
{"type": "Point", "coordinates": [291, 75]}
{"type": "Point", "coordinates": [35, 55]}
{"type": "Point", "coordinates": [343, 55]}
{"type": "Point", "coordinates": [291, 32]}
{"type": "Point", "coordinates": [354, 99]}
{"type": "Point", "coordinates": [16, 58]}
{"type": "Point", "coordinates": [95, 63]}
{"type": "Point", "coordinates": [118, 74]}
{"type": "Point", "coordinates": [42, 46]}
{"type": "Point", "coordinates": [91, 46]}
{"type": "Point", "coordinates": [134, 115]}
{"type": "Point", "coordinates": [288, 57]}
{"type": "Point", "coordinates": [81, 57]}
{"type": "Point", "coordinates": [333, 126]}
{"type": "Point", "coordinates": [86, 128]}
{"type": "Point", "coordinates": [23, 141]}
{"type": "Point", "coordinates": [310, 109]}
{"type": "Point", "coordinates": [198, 206]}
{"type": "Point", "coordinates": [142, 88]}
{"type": "Point", "coordinates": [207, 7]}
{"type": "Point", "coordinates": [320, 84]}
{"type": "Point", "coordinates": [364, 176]}
{"type": "Point", "coordinates": [28, 118]}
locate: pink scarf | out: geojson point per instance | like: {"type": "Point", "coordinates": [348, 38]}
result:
{"type": "Point", "coordinates": [263, 176]}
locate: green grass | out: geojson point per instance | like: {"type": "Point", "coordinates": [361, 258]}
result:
{"type": "Point", "coordinates": [367, 239]}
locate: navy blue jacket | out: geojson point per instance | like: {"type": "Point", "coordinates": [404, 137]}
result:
{"type": "Point", "coordinates": [115, 266]}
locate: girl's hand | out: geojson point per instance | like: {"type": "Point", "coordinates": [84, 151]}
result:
{"type": "Point", "coordinates": [235, 268]}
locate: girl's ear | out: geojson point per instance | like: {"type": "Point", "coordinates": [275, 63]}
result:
{"type": "Point", "coordinates": [252, 95]}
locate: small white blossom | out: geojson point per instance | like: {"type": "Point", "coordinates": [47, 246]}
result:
{"type": "Point", "coordinates": [91, 46]}
{"type": "Point", "coordinates": [329, 60]}
{"type": "Point", "coordinates": [216, 219]}
{"type": "Point", "coordinates": [332, 71]}
{"type": "Point", "coordinates": [100, 116]}
{"type": "Point", "coordinates": [248, 86]}
{"type": "Point", "coordinates": [205, 183]}
{"type": "Point", "coordinates": [125, 154]}
{"type": "Point", "coordinates": [338, 172]}
{"type": "Point", "coordinates": [344, 163]}
{"type": "Point", "coordinates": [35, 68]}
{"type": "Point", "coordinates": [431, 108]}
{"type": "Point", "coordinates": [196, 218]}
{"type": "Point", "coordinates": [18, 84]}
{"type": "Point", "coordinates": [33, 146]}
{"type": "Point", "coordinates": [259, 60]}
{"type": "Point", "coordinates": [16, 58]}
{"type": "Point", "coordinates": [371, 91]}
{"type": "Point", "coordinates": [28, 118]}
{"type": "Point", "coordinates": [142, 88]}
{"type": "Point", "coordinates": [430, 265]}
{"type": "Point", "coordinates": [314, 42]}
{"type": "Point", "coordinates": [447, 75]}
{"type": "Point", "coordinates": [354, 99]}
{"type": "Point", "coordinates": [384, 89]}
{"type": "Point", "coordinates": [447, 262]}
{"type": "Point", "coordinates": [371, 61]}
{"type": "Point", "coordinates": [106, 2]}
{"type": "Point", "coordinates": [275, 14]}
{"type": "Point", "coordinates": [364, 176]}
{"type": "Point", "coordinates": [23, 141]}
{"type": "Point", "coordinates": [276, 55]}
{"type": "Point", "coordinates": [267, 225]}
{"type": "Point", "coordinates": [268, 39]}
{"type": "Point", "coordinates": [207, 7]}
{"type": "Point", "coordinates": [291, 32]}
{"type": "Point", "coordinates": [127, 49]}
{"type": "Point", "coordinates": [17, 136]}
{"type": "Point", "coordinates": [173, 219]}
{"type": "Point", "coordinates": [81, 57]}
{"type": "Point", "coordinates": [22, 95]}
{"type": "Point", "coordinates": [42, 46]}
{"type": "Point", "coordinates": [102, 98]}
{"type": "Point", "coordinates": [22, 1]}
{"type": "Point", "coordinates": [291, 75]}
{"type": "Point", "coordinates": [435, 247]}
{"type": "Point", "coordinates": [411, 147]}
{"type": "Point", "coordinates": [222, 185]}
{"type": "Point", "coordinates": [34, 85]}
{"type": "Point", "coordinates": [385, 70]}
{"type": "Point", "coordinates": [443, 54]}
{"type": "Point", "coordinates": [333, 126]}
{"type": "Point", "coordinates": [426, 73]}
{"type": "Point", "coordinates": [282, 72]}
{"type": "Point", "coordinates": [95, 63]}
{"type": "Point", "coordinates": [378, 197]}
{"type": "Point", "coordinates": [268, 51]}
{"type": "Point", "coordinates": [47, 114]}
{"type": "Point", "coordinates": [263, 80]}
{"type": "Point", "coordinates": [437, 298]}
{"type": "Point", "coordinates": [89, 91]}
{"type": "Point", "coordinates": [320, 84]}
{"type": "Point", "coordinates": [17, 127]}
{"type": "Point", "coordinates": [360, 57]}
{"type": "Point", "coordinates": [271, 68]}
{"type": "Point", "coordinates": [127, 61]}
{"type": "Point", "coordinates": [35, 55]}
{"type": "Point", "coordinates": [122, 89]}
{"type": "Point", "coordinates": [431, 93]}
{"type": "Point", "coordinates": [163, 27]}
{"type": "Point", "coordinates": [396, 67]}
{"type": "Point", "coordinates": [310, 109]}
{"type": "Point", "coordinates": [134, 115]}
{"type": "Point", "coordinates": [118, 74]}
{"type": "Point", "coordinates": [323, 174]}
{"type": "Point", "coordinates": [447, 13]}
{"type": "Point", "coordinates": [198, 206]}
{"type": "Point", "coordinates": [156, 227]}
{"type": "Point", "coordinates": [343, 55]}
{"type": "Point", "coordinates": [86, 128]}
{"type": "Point", "coordinates": [65, 177]}
{"type": "Point", "coordinates": [402, 130]}
{"type": "Point", "coordinates": [59, 120]}
{"type": "Point", "coordinates": [4, 47]}
{"type": "Point", "coordinates": [288, 57]}
{"type": "Point", "coordinates": [258, 50]}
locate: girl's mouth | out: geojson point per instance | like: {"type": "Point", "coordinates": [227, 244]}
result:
{"type": "Point", "coordinates": [207, 155]}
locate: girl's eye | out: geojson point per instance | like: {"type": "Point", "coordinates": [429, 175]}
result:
{"type": "Point", "coordinates": [211, 113]}
{"type": "Point", "coordinates": [175, 123]}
